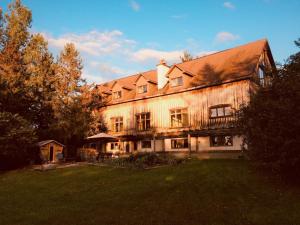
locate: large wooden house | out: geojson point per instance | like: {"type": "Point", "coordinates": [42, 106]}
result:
{"type": "Point", "coordinates": [186, 107]}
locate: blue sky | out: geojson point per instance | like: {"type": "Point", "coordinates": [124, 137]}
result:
{"type": "Point", "coordinates": [121, 37]}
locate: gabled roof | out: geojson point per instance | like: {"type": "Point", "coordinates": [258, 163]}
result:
{"type": "Point", "coordinates": [217, 68]}
{"type": "Point", "coordinates": [42, 143]}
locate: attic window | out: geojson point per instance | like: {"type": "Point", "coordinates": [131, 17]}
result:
{"type": "Point", "coordinates": [117, 94]}
{"type": "Point", "coordinates": [178, 81]}
{"type": "Point", "coordinates": [261, 76]}
{"type": "Point", "coordinates": [142, 89]}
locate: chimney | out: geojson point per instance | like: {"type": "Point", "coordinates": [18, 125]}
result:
{"type": "Point", "coordinates": [162, 70]}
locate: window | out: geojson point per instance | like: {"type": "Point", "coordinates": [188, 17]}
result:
{"type": "Point", "coordinates": [220, 111]}
{"type": "Point", "coordinates": [143, 121]}
{"type": "Point", "coordinates": [178, 81]}
{"type": "Point", "coordinates": [179, 143]}
{"type": "Point", "coordinates": [179, 117]}
{"type": "Point", "coordinates": [117, 124]}
{"type": "Point", "coordinates": [114, 146]}
{"type": "Point", "coordinates": [261, 76]}
{"type": "Point", "coordinates": [146, 144]}
{"type": "Point", "coordinates": [221, 140]}
{"type": "Point", "coordinates": [117, 95]}
{"type": "Point", "coordinates": [142, 89]}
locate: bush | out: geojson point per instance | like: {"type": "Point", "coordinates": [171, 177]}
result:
{"type": "Point", "coordinates": [17, 139]}
{"type": "Point", "coordinates": [145, 160]}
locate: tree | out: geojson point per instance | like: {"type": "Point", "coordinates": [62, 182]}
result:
{"type": "Point", "coordinates": [186, 56]}
{"type": "Point", "coordinates": [41, 84]}
{"type": "Point", "coordinates": [14, 30]}
{"type": "Point", "coordinates": [73, 117]}
{"type": "Point", "coordinates": [271, 122]}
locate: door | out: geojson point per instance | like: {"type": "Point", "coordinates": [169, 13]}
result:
{"type": "Point", "coordinates": [127, 148]}
{"type": "Point", "coordinates": [51, 153]}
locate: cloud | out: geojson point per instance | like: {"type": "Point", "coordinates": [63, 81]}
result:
{"type": "Point", "coordinates": [134, 5]}
{"type": "Point", "coordinates": [229, 5]}
{"type": "Point", "coordinates": [94, 42]}
{"type": "Point", "coordinates": [148, 55]}
{"type": "Point", "coordinates": [106, 69]}
{"type": "Point", "coordinates": [223, 37]}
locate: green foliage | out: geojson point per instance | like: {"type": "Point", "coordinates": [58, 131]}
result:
{"type": "Point", "coordinates": [271, 123]}
{"type": "Point", "coordinates": [17, 138]}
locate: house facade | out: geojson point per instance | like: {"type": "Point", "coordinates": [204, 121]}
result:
{"type": "Point", "coordinates": [186, 107]}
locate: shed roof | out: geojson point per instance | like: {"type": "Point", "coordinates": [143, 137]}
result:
{"type": "Point", "coordinates": [42, 143]}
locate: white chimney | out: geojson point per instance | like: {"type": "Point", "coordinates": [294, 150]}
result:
{"type": "Point", "coordinates": [162, 70]}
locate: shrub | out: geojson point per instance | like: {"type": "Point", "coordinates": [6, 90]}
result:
{"type": "Point", "coordinates": [17, 137]}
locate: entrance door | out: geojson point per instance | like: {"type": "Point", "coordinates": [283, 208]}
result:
{"type": "Point", "coordinates": [127, 148]}
{"type": "Point", "coordinates": [51, 153]}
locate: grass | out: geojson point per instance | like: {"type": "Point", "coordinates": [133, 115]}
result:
{"type": "Point", "coordinates": [197, 192]}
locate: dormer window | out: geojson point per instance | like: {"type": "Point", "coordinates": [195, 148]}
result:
{"type": "Point", "coordinates": [117, 95]}
{"type": "Point", "coordinates": [178, 81]}
{"type": "Point", "coordinates": [142, 89]}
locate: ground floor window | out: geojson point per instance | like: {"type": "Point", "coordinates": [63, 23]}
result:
{"type": "Point", "coordinates": [221, 140]}
{"type": "Point", "coordinates": [146, 144]}
{"type": "Point", "coordinates": [179, 143]}
{"type": "Point", "coordinates": [114, 146]}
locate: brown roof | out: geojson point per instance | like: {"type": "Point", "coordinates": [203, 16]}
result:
{"type": "Point", "coordinates": [220, 67]}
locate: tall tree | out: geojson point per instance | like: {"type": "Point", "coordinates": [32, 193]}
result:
{"type": "Point", "coordinates": [14, 32]}
{"type": "Point", "coordinates": [73, 116]}
{"type": "Point", "coordinates": [41, 84]}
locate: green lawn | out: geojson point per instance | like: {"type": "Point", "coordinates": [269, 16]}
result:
{"type": "Point", "coordinates": [197, 192]}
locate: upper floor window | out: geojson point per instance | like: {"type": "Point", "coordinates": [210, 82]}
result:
{"type": "Point", "coordinates": [117, 95]}
{"type": "Point", "coordinates": [179, 143]}
{"type": "Point", "coordinates": [117, 124]}
{"type": "Point", "coordinates": [143, 121]}
{"type": "Point", "coordinates": [220, 111]}
{"type": "Point", "coordinates": [142, 89]}
{"type": "Point", "coordinates": [179, 117]}
{"type": "Point", "coordinates": [221, 140]}
{"type": "Point", "coordinates": [178, 81]}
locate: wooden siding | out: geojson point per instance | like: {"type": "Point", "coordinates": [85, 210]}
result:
{"type": "Point", "coordinates": [196, 101]}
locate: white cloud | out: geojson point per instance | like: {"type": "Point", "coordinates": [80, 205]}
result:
{"type": "Point", "coordinates": [92, 78]}
{"type": "Point", "coordinates": [94, 42]}
{"type": "Point", "coordinates": [224, 36]}
{"type": "Point", "coordinates": [106, 69]}
{"type": "Point", "coordinates": [134, 5]}
{"type": "Point", "coordinates": [229, 5]}
{"type": "Point", "coordinates": [148, 55]}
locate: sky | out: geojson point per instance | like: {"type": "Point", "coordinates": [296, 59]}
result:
{"type": "Point", "coordinates": [121, 37]}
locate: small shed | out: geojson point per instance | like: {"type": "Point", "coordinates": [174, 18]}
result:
{"type": "Point", "coordinates": [51, 150]}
